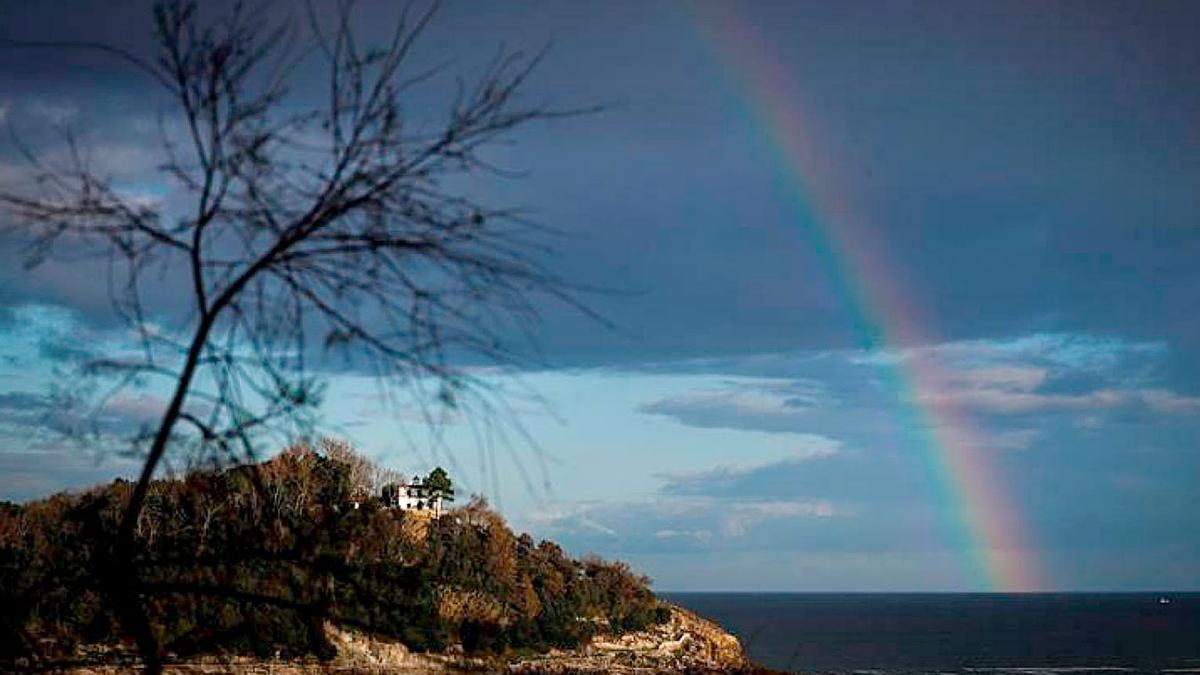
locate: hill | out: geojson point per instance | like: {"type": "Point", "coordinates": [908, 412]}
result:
{"type": "Point", "coordinates": [261, 560]}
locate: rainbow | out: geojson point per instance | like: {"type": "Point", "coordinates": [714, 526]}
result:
{"type": "Point", "coordinates": [976, 514]}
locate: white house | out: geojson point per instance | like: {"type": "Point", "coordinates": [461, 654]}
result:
{"type": "Point", "coordinates": [412, 496]}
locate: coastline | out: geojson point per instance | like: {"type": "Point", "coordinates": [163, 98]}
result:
{"type": "Point", "coordinates": [685, 643]}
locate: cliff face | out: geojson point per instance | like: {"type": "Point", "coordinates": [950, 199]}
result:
{"type": "Point", "coordinates": [684, 643]}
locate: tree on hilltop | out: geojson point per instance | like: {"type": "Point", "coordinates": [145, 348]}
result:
{"type": "Point", "coordinates": [439, 481]}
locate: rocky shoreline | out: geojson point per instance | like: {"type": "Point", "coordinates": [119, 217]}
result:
{"type": "Point", "coordinates": [685, 643]}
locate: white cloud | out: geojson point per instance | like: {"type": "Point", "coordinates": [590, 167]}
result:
{"type": "Point", "coordinates": [974, 390]}
{"type": "Point", "coordinates": [702, 536]}
{"type": "Point", "coordinates": [748, 397]}
{"type": "Point", "coordinates": [1013, 376]}
{"type": "Point", "coordinates": [1169, 401]}
{"type": "Point", "coordinates": [1060, 350]}
{"type": "Point", "coordinates": [739, 518]}
{"type": "Point", "coordinates": [808, 447]}
{"type": "Point", "coordinates": [669, 522]}
{"type": "Point", "coordinates": [576, 518]}
{"type": "Point", "coordinates": [1016, 393]}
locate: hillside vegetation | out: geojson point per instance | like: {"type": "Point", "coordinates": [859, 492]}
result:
{"type": "Point", "coordinates": [255, 559]}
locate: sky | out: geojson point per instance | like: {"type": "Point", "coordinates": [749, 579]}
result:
{"type": "Point", "coordinates": [903, 294]}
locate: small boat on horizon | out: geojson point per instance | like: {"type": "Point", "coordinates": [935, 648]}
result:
{"type": "Point", "coordinates": [1164, 601]}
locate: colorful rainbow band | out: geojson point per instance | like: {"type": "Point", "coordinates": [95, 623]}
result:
{"type": "Point", "coordinates": [977, 517]}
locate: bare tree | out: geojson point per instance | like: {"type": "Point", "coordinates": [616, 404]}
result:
{"type": "Point", "coordinates": [367, 478]}
{"type": "Point", "coordinates": [336, 229]}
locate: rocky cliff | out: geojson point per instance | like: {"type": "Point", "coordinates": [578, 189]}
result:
{"type": "Point", "coordinates": [685, 643]}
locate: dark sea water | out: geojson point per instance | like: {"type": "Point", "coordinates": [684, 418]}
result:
{"type": "Point", "coordinates": [980, 634]}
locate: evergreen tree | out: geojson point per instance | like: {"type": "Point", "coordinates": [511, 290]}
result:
{"type": "Point", "coordinates": [439, 481]}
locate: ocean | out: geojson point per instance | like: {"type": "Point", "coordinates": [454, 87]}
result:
{"type": "Point", "coordinates": [980, 634]}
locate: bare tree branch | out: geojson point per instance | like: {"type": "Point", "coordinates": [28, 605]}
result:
{"type": "Point", "coordinates": [311, 232]}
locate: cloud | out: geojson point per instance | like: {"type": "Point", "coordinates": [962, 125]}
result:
{"type": "Point", "coordinates": [1043, 373]}
{"type": "Point", "coordinates": [1001, 400]}
{"type": "Point", "coordinates": [708, 481]}
{"type": "Point", "coordinates": [116, 420]}
{"type": "Point", "coordinates": [43, 468]}
{"type": "Point", "coordinates": [740, 517]}
{"type": "Point", "coordinates": [701, 536]}
{"type": "Point", "coordinates": [36, 416]}
{"type": "Point", "coordinates": [1168, 401]}
{"type": "Point", "coordinates": [1071, 351]}
{"type": "Point", "coordinates": [740, 403]}
{"type": "Point", "coordinates": [743, 400]}
{"type": "Point", "coordinates": [23, 410]}
{"type": "Point", "coordinates": [679, 523]}
{"type": "Point", "coordinates": [570, 519]}
{"type": "Point", "coordinates": [134, 410]}
{"type": "Point", "coordinates": [827, 500]}
{"type": "Point", "coordinates": [996, 382]}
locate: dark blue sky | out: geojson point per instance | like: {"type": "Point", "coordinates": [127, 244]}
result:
{"type": "Point", "coordinates": [1031, 172]}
